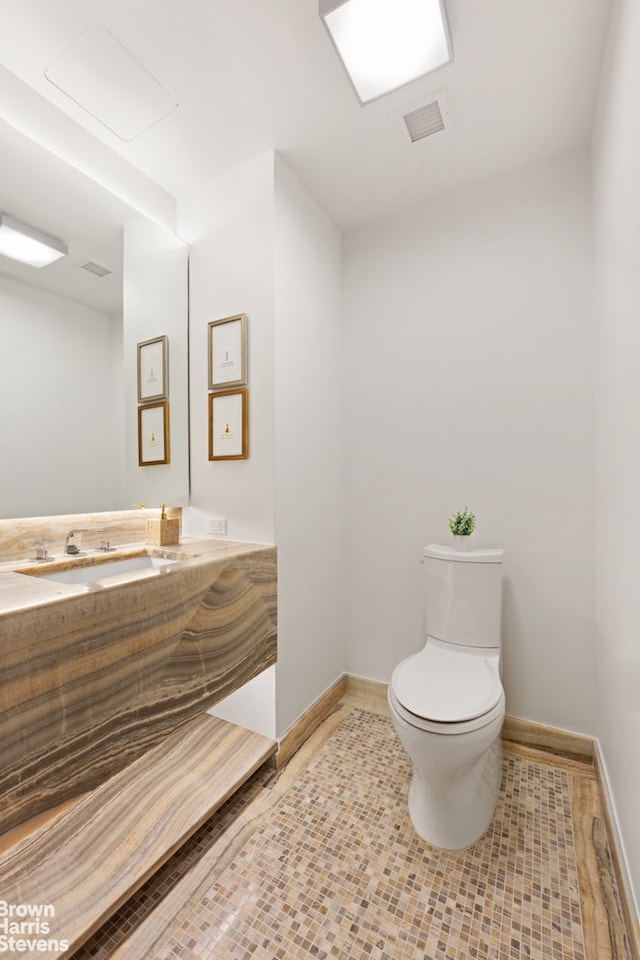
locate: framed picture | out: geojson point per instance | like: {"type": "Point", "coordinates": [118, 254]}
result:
{"type": "Point", "coordinates": [228, 352]}
{"type": "Point", "coordinates": [153, 369]}
{"type": "Point", "coordinates": [153, 434]}
{"type": "Point", "coordinates": [228, 427]}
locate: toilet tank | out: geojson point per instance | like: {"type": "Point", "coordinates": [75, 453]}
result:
{"type": "Point", "coordinates": [463, 595]}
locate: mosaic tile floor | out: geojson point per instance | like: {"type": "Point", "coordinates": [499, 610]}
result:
{"type": "Point", "coordinates": [335, 869]}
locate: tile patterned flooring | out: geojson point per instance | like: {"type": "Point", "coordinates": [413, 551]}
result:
{"type": "Point", "coordinates": [321, 861]}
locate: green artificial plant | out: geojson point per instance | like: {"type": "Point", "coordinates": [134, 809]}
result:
{"type": "Point", "coordinates": [462, 522]}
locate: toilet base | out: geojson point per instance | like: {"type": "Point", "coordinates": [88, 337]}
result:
{"type": "Point", "coordinates": [456, 818]}
{"type": "Point", "coordinates": [456, 778]}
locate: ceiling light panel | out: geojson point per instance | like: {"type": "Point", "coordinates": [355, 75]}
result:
{"type": "Point", "coordinates": [27, 244]}
{"type": "Point", "coordinates": [384, 44]}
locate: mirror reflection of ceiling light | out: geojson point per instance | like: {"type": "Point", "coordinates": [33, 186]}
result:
{"type": "Point", "coordinates": [27, 244]}
{"type": "Point", "coordinates": [384, 44]}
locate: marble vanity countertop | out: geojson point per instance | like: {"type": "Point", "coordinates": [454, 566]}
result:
{"type": "Point", "coordinates": [93, 674]}
{"type": "Point", "coordinates": [24, 583]}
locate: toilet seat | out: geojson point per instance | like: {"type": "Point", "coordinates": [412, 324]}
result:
{"type": "Point", "coordinates": [430, 726]}
{"type": "Point", "coordinates": [447, 690]}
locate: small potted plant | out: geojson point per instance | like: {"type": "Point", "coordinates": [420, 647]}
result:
{"type": "Point", "coordinates": [462, 523]}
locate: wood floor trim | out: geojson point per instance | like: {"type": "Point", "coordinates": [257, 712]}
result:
{"type": "Point", "coordinates": [302, 728]}
{"type": "Point", "coordinates": [537, 735]}
{"type": "Point", "coordinates": [361, 688]}
{"type": "Point", "coordinates": [632, 921]}
{"type": "Point", "coordinates": [603, 916]}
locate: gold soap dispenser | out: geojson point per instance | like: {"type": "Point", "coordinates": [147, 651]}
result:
{"type": "Point", "coordinates": [164, 532]}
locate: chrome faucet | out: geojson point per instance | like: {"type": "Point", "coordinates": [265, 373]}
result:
{"type": "Point", "coordinates": [71, 545]}
{"type": "Point", "coordinates": [42, 554]}
{"type": "Point", "coordinates": [105, 545]}
{"type": "Point", "coordinates": [40, 544]}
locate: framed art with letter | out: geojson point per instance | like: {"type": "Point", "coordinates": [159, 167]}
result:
{"type": "Point", "coordinates": [228, 426]}
{"type": "Point", "coordinates": [228, 352]}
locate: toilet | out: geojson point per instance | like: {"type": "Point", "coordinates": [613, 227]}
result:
{"type": "Point", "coordinates": [447, 703]}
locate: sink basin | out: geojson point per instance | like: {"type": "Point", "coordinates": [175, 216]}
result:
{"type": "Point", "coordinates": [108, 568]}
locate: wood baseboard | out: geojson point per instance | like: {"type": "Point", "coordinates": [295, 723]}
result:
{"type": "Point", "coordinates": [632, 921]}
{"type": "Point", "coordinates": [302, 728]}
{"type": "Point", "coordinates": [551, 739]}
{"type": "Point", "coordinates": [372, 692]}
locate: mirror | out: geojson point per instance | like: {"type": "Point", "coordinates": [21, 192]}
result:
{"type": "Point", "coordinates": [68, 345]}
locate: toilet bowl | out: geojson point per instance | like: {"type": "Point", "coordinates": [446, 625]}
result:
{"type": "Point", "coordinates": [447, 703]}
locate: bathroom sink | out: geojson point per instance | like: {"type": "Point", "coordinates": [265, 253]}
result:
{"type": "Point", "coordinates": [100, 571]}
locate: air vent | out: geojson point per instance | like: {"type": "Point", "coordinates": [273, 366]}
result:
{"type": "Point", "coordinates": [95, 268]}
{"type": "Point", "coordinates": [428, 119]}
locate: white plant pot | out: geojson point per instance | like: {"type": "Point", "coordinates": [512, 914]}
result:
{"type": "Point", "coordinates": [461, 541]}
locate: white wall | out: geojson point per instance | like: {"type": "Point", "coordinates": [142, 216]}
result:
{"type": "Point", "coordinates": [309, 439]}
{"type": "Point", "coordinates": [617, 230]}
{"type": "Point", "coordinates": [252, 706]}
{"type": "Point", "coordinates": [155, 304]}
{"type": "Point", "coordinates": [231, 236]}
{"type": "Point", "coordinates": [469, 381]}
{"type": "Point", "coordinates": [260, 245]}
{"type": "Point", "coordinates": [230, 272]}
{"type": "Point", "coordinates": [60, 396]}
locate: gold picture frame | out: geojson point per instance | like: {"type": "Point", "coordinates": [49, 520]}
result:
{"type": "Point", "coordinates": [153, 369]}
{"type": "Point", "coordinates": [153, 434]}
{"type": "Point", "coordinates": [227, 344]}
{"type": "Point", "coordinates": [228, 425]}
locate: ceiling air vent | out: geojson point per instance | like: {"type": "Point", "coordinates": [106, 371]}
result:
{"type": "Point", "coordinates": [428, 119]}
{"type": "Point", "coordinates": [95, 268]}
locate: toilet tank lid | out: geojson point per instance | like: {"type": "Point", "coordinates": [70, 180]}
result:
{"type": "Point", "coordinates": [439, 552]}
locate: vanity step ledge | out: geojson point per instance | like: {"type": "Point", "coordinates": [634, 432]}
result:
{"type": "Point", "coordinates": [84, 864]}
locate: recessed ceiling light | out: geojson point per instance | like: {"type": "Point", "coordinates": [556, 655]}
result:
{"type": "Point", "coordinates": [19, 241]}
{"type": "Point", "coordinates": [384, 44]}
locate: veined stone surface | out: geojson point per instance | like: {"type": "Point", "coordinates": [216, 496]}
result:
{"type": "Point", "coordinates": [89, 859]}
{"type": "Point", "coordinates": [18, 536]}
{"type": "Point", "coordinates": [92, 676]}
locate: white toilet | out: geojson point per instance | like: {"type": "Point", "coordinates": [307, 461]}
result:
{"type": "Point", "coordinates": [447, 703]}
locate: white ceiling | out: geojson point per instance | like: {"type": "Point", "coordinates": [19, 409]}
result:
{"type": "Point", "coordinates": [257, 75]}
